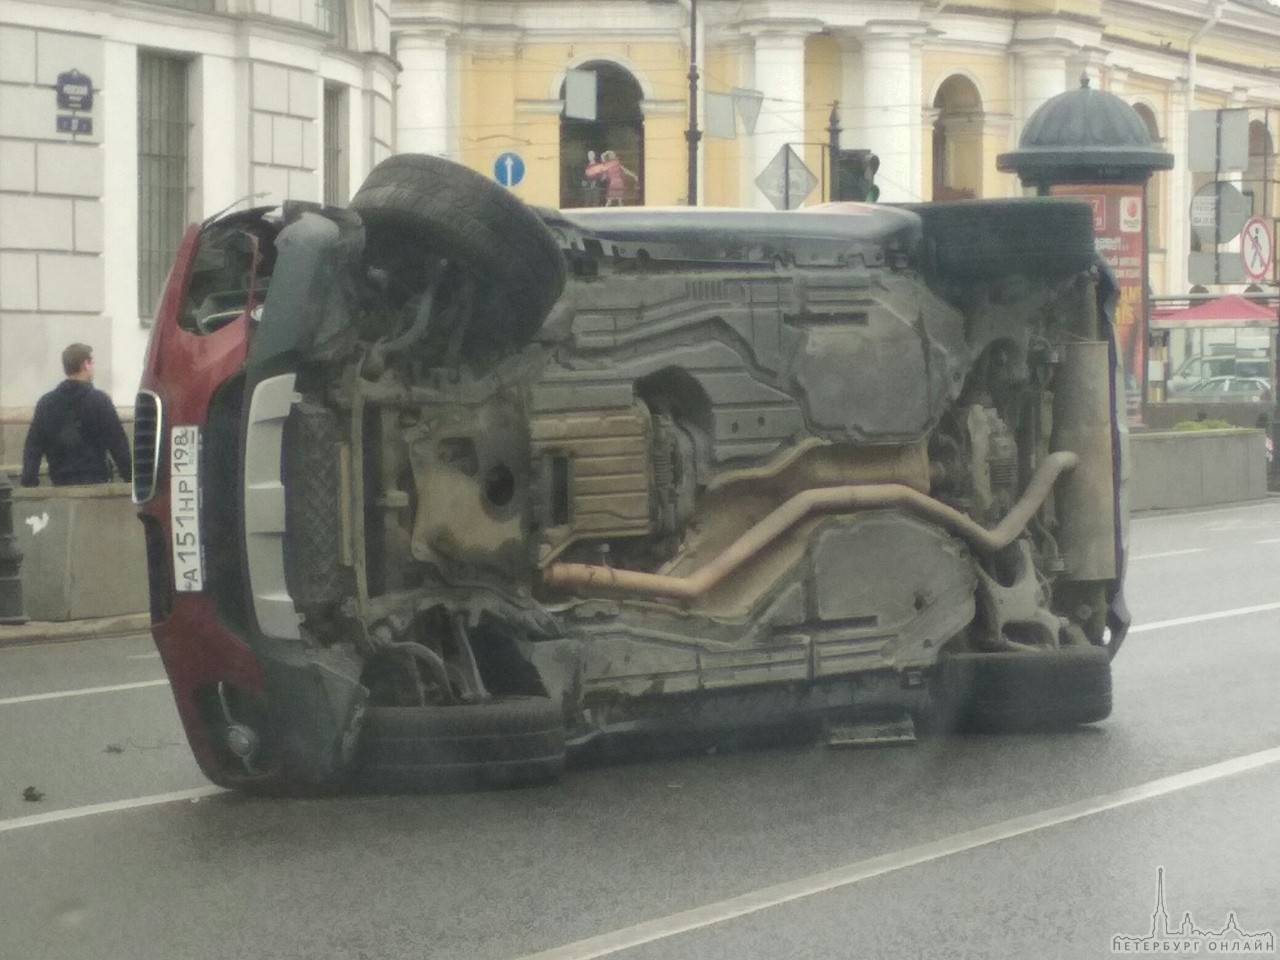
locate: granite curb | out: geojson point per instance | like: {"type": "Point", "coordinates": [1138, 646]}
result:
{"type": "Point", "coordinates": [47, 631]}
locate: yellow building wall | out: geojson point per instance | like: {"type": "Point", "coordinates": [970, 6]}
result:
{"type": "Point", "coordinates": [508, 91]}
{"type": "Point", "coordinates": [822, 80]}
{"type": "Point", "coordinates": [488, 124]}
{"type": "Point", "coordinates": [977, 168]}
{"type": "Point", "coordinates": [721, 159]}
{"type": "Point", "coordinates": [666, 159]}
{"type": "Point", "coordinates": [507, 95]}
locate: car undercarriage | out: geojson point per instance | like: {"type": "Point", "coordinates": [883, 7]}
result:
{"type": "Point", "coordinates": [508, 478]}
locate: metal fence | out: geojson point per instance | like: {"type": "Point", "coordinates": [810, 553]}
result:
{"type": "Point", "coordinates": [335, 154]}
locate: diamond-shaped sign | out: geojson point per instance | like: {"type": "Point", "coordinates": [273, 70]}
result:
{"type": "Point", "coordinates": [786, 181]}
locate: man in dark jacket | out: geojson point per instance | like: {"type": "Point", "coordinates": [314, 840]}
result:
{"type": "Point", "coordinates": [75, 426]}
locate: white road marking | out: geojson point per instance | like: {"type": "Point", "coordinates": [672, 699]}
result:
{"type": "Point", "coordinates": [1166, 553]}
{"type": "Point", "coordinates": [1273, 540]}
{"type": "Point", "coordinates": [1203, 617]}
{"type": "Point", "coordinates": [153, 655]}
{"type": "Point", "coordinates": [77, 813]}
{"type": "Point", "coordinates": [757, 900]}
{"type": "Point", "coordinates": [83, 691]}
{"type": "Point", "coordinates": [1241, 522]}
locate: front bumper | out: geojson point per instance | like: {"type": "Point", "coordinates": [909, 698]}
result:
{"type": "Point", "coordinates": [257, 702]}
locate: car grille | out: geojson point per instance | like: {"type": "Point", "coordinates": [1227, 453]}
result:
{"type": "Point", "coordinates": [146, 446]}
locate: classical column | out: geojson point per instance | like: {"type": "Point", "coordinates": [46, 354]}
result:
{"type": "Point", "coordinates": [779, 75]}
{"type": "Point", "coordinates": [852, 128]}
{"type": "Point", "coordinates": [891, 106]}
{"type": "Point", "coordinates": [997, 137]}
{"type": "Point", "coordinates": [423, 104]}
{"type": "Point", "coordinates": [1117, 81]}
{"type": "Point", "coordinates": [1042, 74]}
{"type": "Point", "coordinates": [1177, 224]}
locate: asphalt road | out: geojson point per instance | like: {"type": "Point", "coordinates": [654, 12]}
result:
{"type": "Point", "coordinates": [1045, 845]}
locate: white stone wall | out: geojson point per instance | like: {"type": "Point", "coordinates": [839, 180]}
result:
{"type": "Point", "coordinates": [51, 213]}
{"type": "Point", "coordinates": [68, 203]}
{"type": "Point", "coordinates": [285, 107]}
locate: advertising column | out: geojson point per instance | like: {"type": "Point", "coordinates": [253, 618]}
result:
{"type": "Point", "coordinates": [1118, 215]}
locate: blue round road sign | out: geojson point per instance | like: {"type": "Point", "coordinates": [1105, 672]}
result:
{"type": "Point", "coordinates": [508, 169]}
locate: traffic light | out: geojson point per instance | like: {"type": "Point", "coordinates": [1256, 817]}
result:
{"type": "Point", "coordinates": [856, 178]}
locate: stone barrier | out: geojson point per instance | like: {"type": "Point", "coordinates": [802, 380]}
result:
{"type": "Point", "coordinates": [83, 552]}
{"type": "Point", "coordinates": [84, 555]}
{"type": "Point", "coordinates": [1196, 468]}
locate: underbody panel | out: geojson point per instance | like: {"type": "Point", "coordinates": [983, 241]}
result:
{"type": "Point", "coordinates": [744, 455]}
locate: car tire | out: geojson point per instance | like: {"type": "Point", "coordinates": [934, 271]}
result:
{"type": "Point", "coordinates": [457, 214]}
{"type": "Point", "coordinates": [1012, 691]}
{"type": "Point", "coordinates": [517, 741]}
{"type": "Point", "coordinates": [1040, 237]}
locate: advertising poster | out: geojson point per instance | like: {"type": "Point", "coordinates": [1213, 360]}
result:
{"type": "Point", "coordinates": [1118, 213]}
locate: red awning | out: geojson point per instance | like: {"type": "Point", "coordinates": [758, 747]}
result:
{"type": "Point", "coordinates": [1228, 311]}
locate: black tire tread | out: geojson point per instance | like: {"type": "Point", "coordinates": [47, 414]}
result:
{"type": "Point", "coordinates": [461, 214]}
{"type": "Point", "coordinates": [1042, 237]}
{"type": "Point", "coordinates": [1012, 691]}
{"type": "Point", "coordinates": [502, 743]}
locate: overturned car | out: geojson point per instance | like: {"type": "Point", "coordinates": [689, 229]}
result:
{"type": "Point", "coordinates": [441, 486]}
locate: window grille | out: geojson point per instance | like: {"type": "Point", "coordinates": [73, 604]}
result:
{"type": "Point", "coordinates": [163, 160]}
{"type": "Point", "coordinates": [335, 153]}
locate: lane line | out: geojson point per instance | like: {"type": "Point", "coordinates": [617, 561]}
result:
{"type": "Point", "coordinates": [1221, 512]}
{"type": "Point", "coordinates": [84, 691]}
{"type": "Point", "coordinates": [1203, 617]}
{"type": "Point", "coordinates": [1167, 553]}
{"type": "Point", "coordinates": [1273, 540]}
{"type": "Point", "coordinates": [78, 813]}
{"type": "Point", "coordinates": [1232, 525]}
{"type": "Point", "coordinates": [756, 901]}
{"type": "Point", "coordinates": [153, 655]}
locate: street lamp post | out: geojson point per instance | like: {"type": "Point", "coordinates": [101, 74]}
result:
{"type": "Point", "coordinates": [693, 134]}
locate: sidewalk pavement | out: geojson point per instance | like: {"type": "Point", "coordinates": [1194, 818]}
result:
{"type": "Point", "coordinates": [47, 631]}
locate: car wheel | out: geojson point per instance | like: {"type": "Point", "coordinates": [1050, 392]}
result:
{"type": "Point", "coordinates": [518, 741]}
{"type": "Point", "coordinates": [1041, 237]}
{"type": "Point", "coordinates": [457, 214]}
{"type": "Point", "coordinates": [1013, 691]}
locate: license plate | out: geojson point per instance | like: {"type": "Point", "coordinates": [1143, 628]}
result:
{"type": "Point", "coordinates": [184, 508]}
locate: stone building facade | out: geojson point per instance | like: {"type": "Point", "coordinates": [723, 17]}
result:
{"type": "Point", "coordinates": [199, 104]}
{"type": "Point", "coordinates": [935, 89]}
{"type": "Point", "coordinates": [193, 106]}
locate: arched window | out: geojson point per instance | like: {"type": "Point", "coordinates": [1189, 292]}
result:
{"type": "Point", "coordinates": [957, 140]}
{"type": "Point", "coordinates": [1261, 165]}
{"type": "Point", "coordinates": [617, 129]}
{"type": "Point", "coordinates": [1155, 185]}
